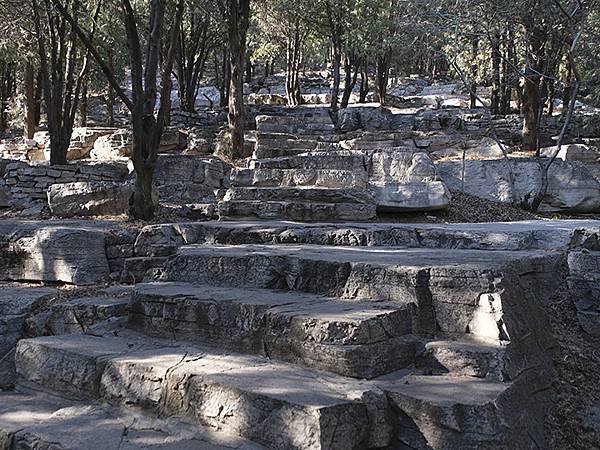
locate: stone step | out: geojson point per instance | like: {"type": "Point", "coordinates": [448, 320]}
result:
{"type": "Point", "coordinates": [319, 125]}
{"type": "Point", "coordinates": [257, 399]}
{"type": "Point", "coordinates": [340, 160]}
{"type": "Point", "coordinates": [455, 291]}
{"type": "Point", "coordinates": [464, 356]}
{"type": "Point", "coordinates": [328, 178]}
{"type": "Point", "coordinates": [410, 197]}
{"type": "Point", "coordinates": [164, 239]}
{"type": "Point", "coordinates": [355, 339]}
{"type": "Point", "coordinates": [298, 203]}
{"type": "Point", "coordinates": [299, 194]}
{"type": "Point", "coordinates": [33, 420]}
{"type": "Point", "coordinates": [308, 118]}
{"type": "Point", "coordinates": [247, 396]}
{"type": "Point", "coordinates": [300, 211]}
{"type": "Point", "coordinates": [447, 412]}
{"type": "Point", "coordinates": [286, 149]}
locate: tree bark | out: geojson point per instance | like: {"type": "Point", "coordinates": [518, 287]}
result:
{"type": "Point", "coordinates": [383, 69]}
{"type": "Point", "coordinates": [364, 83]}
{"type": "Point", "coordinates": [349, 81]}
{"type": "Point", "coordinates": [532, 106]}
{"type": "Point", "coordinates": [336, 66]}
{"type": "Point", "coordinates": [83, 105]}
{"type": "Point", "coordinates": [29, 91]}
{"type": "Point", "coordinates": [238, 21]}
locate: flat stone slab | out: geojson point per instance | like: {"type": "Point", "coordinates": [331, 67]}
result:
{"type": "Point", "coordinates": [356, 339]}
{"type": "Point", "coordinates": [53, 252]}
{"type": "Point", "coordinates": [31, 420]}
{"type": "Point", "coordinates": [164, 239]}
{"type": "Point", "coordinates": [245, 395]}
{"type": "Point", "coordinates": [291, 209]}
{"type": "Point", "coordinates": [447, 412]}
{"type": "Point", "coordinates": [483, 293]}
{"type": "Point", "coordinates": [257, 398]}
{"type": "Point", "coordinates": [17, 300]}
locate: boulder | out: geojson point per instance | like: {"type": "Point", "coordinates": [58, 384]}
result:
{"type": "Point", "coordinates": [572, 188]}
{"type": "Point", "coordinates": [69, 254]}
{"type": "Point", "coordinates": [117, 145]}
{"type": "Point", "coordinates": [402, 179]}
{"type": "Point", "coordinates": [266, 99]}
{"type": "Point", "coordinates": [574, 152]}
{"type": "Point", "coordinates": [93, 198]}
{"type": "Point", "coordinates": [412, 196]}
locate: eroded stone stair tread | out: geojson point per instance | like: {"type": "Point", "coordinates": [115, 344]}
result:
{"type": "Point", "coordinates": [447, 390]}
{"type": "Point", "coordinates": [358, 339]}
{"type": "Point", "coordinates": [298, 193]}
{"type": "Point", "coordinates": [298, 209]}
{"type": "Point", "coordinates": [410, 257]}
{"type": "Point", "coordinates": [30, 419]}
{"type": "Point", "coordinates": [283, 381]}
{"type": "Point", "coordinates": [466, 356]}
{"type": "Point", "coordinates": [249, 396]}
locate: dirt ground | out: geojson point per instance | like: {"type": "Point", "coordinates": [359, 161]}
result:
{"type": "Point", "coordinates": [573, 422]}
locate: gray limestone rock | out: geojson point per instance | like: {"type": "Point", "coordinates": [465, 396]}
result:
{"type": "Point", "coordinates": [94, 198]}
{"type": "Point", "coordinates": [572, 188]}
{"type": "Point", "coordinates": [67, 254]}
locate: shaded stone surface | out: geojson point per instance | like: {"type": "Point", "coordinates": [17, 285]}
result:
{"type": "Point", "coordinates": [89, 199]}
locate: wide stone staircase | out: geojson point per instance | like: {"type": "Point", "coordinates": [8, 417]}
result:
{"type": "Point", "coordinates": [243, 341]}
{"type": "Point", "coordinates": [300, 170]}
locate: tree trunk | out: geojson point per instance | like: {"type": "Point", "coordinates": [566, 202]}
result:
{"type": "Point", "coordinates": [38, 98]}
{"type": "Point", "coordinates": [530, 109]}
{"type": "Point", "coordinates": [568, 87]}
{"type": "Point", "coordinates": [383, 69]}
{"type": "Point", "coordinates": [83, 104]}
{"type": "Point", "coordinates": [473, 89]}
{"type": "Point", "coordinates": [110, 95]}
{"type": "Point", "coordinates": [364, 83]}
{"type": "Point", "coordinates": [238, 20]}
{"type": "Point", "coordinates": [337, 62]}
{"type": "Point", "coordinates": [532, 100]}
{"type": "Point", "coordinates": [141, 203]}
{"type": "Point", "coordinates": [29, 88]}
{"type": "Point", "coordinates": [349, 81]}
{"type": "Point", "coordinates": [496, 86]}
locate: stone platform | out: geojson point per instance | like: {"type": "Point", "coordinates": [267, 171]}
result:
{"type": "Point", "coordinates": [284, 335]}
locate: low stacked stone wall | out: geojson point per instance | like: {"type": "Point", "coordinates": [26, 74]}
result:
{"type": "Point", "coordinates": [31, 182]}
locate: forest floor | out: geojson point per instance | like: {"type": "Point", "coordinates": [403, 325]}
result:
{"type": "Point", "coordinates": [573, 422]}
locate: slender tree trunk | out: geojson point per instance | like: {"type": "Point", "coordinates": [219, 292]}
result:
{"type": "Point", "coordinates": [568, 88]}
{"type": "Point", "coordinates": [29, 88]}
{"type": "Point", "coordinates": [496, 85]}
{"type": "Point", "coordinates": [383, 69]}
{"type": "Point", "coordinates": [110, 95]}
{"type": "Point", "coordinates": [474, 67]}
{"type": "Point", "coordinates": [83, 104]}
{"type": "Point", "coordinates": [532, 98]}
{"type": "Point", "coordinates": [239, 15]}
{"type": "Point", "coordinates": [364, 83]}
{"type": "Point", "coordinates": [337, 62]}
{"type": "Point", "coordinates": [38, 98]}
{"type": "Point", "coordinates": [349, 81]}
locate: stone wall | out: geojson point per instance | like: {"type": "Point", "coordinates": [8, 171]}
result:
{"type": "Point", "coordinates": [28, 183]}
